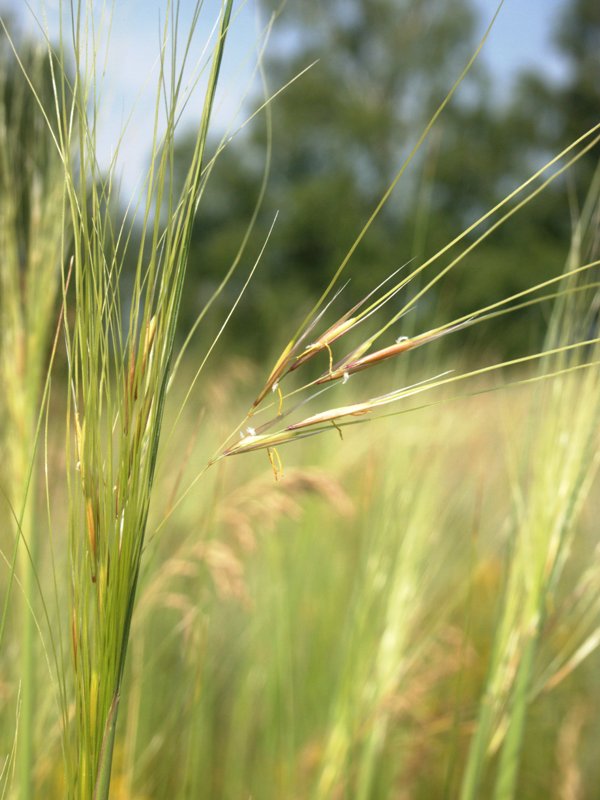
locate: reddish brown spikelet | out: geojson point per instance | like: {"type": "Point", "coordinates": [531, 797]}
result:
{"type": "Point", "coordinates": [349, 367]}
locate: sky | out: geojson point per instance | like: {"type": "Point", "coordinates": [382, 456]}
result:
{"type": "Point", "coordinates": [521, 37]}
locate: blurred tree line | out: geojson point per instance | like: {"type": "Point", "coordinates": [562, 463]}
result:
{"type": "Point", "coordinates": [340, 133]}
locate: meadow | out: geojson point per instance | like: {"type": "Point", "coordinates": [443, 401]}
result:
{"type": "Point", "coordinates": [366, 567]}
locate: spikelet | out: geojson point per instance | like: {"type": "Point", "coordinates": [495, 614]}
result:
{"type": "Point", "coordinates": [325, 341]}
{"type": "Point", "coordinates": [281, 365]}
{"type": "Point", "coordinates": [348, 367]}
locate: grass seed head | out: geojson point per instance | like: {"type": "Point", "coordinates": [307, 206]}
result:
{"type": "Point", "coordinates": [325, 341]}
{"type": "Point", "coordinates": [278, 370]}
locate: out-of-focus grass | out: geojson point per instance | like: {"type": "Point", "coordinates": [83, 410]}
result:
{"type": "Point", "coordinates": [330, 634]}
{"type": "Point", "coordinates": [32, 231]}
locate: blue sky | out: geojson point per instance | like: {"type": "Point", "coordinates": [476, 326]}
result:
{"type": "Point", "coordinates": [521, 37]}
{"type": "Point", "coordinates": [522, 34]}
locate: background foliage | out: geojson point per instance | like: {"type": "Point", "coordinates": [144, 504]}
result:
{"type": "Point", "coordinates": [341, 130]}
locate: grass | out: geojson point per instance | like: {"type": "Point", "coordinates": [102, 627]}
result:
{"type": "Point", "coordinates": [386, 626]}
{"type": "Point", "coordinates": [336, 642]}
{"type": "Point", "coordinates": [560, 460]}
{"type": "Point", "coordinates": [32, 233]}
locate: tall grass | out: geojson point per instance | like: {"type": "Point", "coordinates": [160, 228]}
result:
{"type": "Point", "coordinates": [32, 232]}
{"type": "Point", "coordinates": [120, 364]}
{"type": "Point", "coordinates": [320, 665]}
{"type": "Point", "coordinates": [559, 461]}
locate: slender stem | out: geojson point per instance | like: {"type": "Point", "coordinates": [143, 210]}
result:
{"type": "Point", "coordinates": [27, 669]}
{"type": "Point", "coordinates": [508, 768]}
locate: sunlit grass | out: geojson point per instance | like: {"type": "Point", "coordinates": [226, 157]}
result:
{"type": "Point", "coordinates": [381, 625]}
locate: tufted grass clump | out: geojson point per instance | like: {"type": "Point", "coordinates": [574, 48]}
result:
{"type": "Point", "coordinates": [552, 473]}
{"type": "Point", "coordinates": [120, 356]}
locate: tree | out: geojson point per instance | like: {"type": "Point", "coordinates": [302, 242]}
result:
{"type": "Point", "coordinates": [340, 133]}
{"type": "Point", "coordinates": [342, 130]}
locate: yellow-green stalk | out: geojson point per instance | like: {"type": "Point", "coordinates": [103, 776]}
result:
{"type": "Point", "coordinates": [31, 241]}
{"type": "Point", "coordinates": [120, 353]}
{"type": "Point", "coordinates": [558, 465]}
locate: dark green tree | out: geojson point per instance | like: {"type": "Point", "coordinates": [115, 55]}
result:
{"type": "Point", "coordinates": [342, 130]}
{"type": "Point", "coordinates": [560, 111]}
